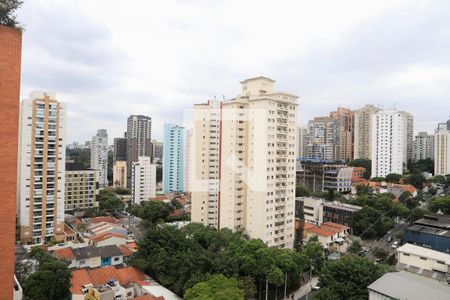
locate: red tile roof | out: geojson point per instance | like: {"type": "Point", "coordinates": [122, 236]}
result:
{"type": "Point", "coordinates": [96, 220]}
{"type": "Point", "coordinates": [148, 297]}
{"type": "Point", "coordinates": [106, 235]}
{"type": "Point", "coordinates": [159, 198]}
{"type": "Point", "coordinates": [126, 251]}
{"type": "Point", "coordinates": [326, 229]}
{"type": "Point", "coordinates": [100, 276]}
{"type": "Point", "coordinates": [64, 253]}
{"type": "Point", "coordinates": [335, 225]}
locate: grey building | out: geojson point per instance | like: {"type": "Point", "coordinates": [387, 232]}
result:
{"type": "Point", "coordinates": [139, 139]}
{"type": "Point", "coordinates": [423, 146]}
{"type": "Point", "coordinates": [120, 149]}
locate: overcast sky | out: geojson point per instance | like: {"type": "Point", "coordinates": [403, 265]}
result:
{"type": "Point", "coordinates": [111, 58]}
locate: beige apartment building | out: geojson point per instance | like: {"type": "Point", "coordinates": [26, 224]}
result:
{"type": "Point", "coordinates": [41, 168]}
{"type": "Point", "coordinates": [345, 126]}
{"type": "Point", "coordinates": [363, 119]}
{"type": "Point", "coordinates": [120, 174]}
{"type": "Point", "coordinates": [442, 150]}
{"type": "Point", "coordinates": [82, 187]}
{"type": "Point", "coordinates": [244, 159]}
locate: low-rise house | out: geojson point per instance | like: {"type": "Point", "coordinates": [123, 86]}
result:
{"type": "Point", "coordinates": [108, 238]}
{"type": "Point", "coordinates": [90, 256]}
{"type": "Point", "coordinates": [407, 286]}
{"type": "Point", "coordinates": [103, 227]}
{"type": "Point", "coordinates": [331, 236]}
{"type": "Point", "coordinates": [87, 257]}
{"type": "Point", "coordinates": [127, 250]}
{"type": "Point", "coordinates": [423, 261]}
{"type": "Point", "coordinates": [110, 256]}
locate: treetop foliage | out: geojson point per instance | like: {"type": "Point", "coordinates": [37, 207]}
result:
{"type": "Point", "coordinates": [7, 12]}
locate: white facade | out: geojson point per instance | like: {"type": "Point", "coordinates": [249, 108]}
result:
{"type": "Point", "coordinates": [143, 180]}
{"type": "Point", "coordinates": [41, 168]}
{"type": "Point", "coordinates": [442, 150]}
{"type": "Point", "coordinates": [99, 156]}
{"type": "Point", "coordinates": [391, 142]}
{"type": "Point", "coordinates": [188, 159]}
{"type": "Point", "coordinates": [246, 149]}
{"type": "Point", "coordinates": [302, 131]}
{"type": "Point", "coordinates": [423, 258]}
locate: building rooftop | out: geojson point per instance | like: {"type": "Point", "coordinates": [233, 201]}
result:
{"type": "Point", "coordinates": [424, 252]}
{"type": "Point", "coordinates": [430, 230]}
{"type": "Point", "coordinates": [64, 253]}
{"type": "Point", "coordinates": [341, 205]}
{"type": "Point", "coordinates": [326, 229]}
{"type": "Point", "coordinates": [104, 236]}
{"type": "Point", "coordinates": [435, 220]}
{"type": "Point", "coordinates": [109, 251]}
{"type": "Point", "coordinates": [85, 252]}
{"type": "Point", "coordinates": [409, 286]}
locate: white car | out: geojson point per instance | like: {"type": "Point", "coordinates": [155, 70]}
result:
{"type": "Point", "coordinates": [395, 245]}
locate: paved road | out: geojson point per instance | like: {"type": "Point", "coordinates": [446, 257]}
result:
{"type": "Point", "coordinates": [383, 243]}
{"type": "Point", "coordinates": [133, 225]}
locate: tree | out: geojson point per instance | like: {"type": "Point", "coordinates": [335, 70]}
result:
{"type": "Point", "coordinates": [217, 287]}
{"type": "Point", "coordinates": [349, 277]}
{"type": "Point", "coordinates": [370, 222]}
{"type": "Point", "coordinates": [423, 165]}
{"type": "Point", "coordinates": [51, 281]}
{"type": "Point", "coordinates": [393, 178]}
{"type": "Point", "coordinates": [355, 247]}
{"type": "Point", "coordinates": [363, 190]}
{"type": "Point", "coordinates": [108, 201]}
{"type": "Point", "coordinates": [378, 179]}
{"type": "Point", "coordinates": [23, 269]}
{"type": "Point", "coordinates": [7, 12]}
{"type": "Point", "coordinates": [152, 211]}
{"type": "Point", "coordinates": [301, 191]}
{"type": "Point", "coordinates": [314, 252]}
{"type": "Point", "coordinates": [442, 204]}
{"type": "Point", "coordinates": [365, 163]}
{"type": "Point", "coordinates": [417, 180]}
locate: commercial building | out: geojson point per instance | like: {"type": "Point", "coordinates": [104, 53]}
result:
{"type": "Point", "coordinates": [344, 119]}
{"type": "Point", "coordinates": [139, 137]}
{"type": "Point", "coordinates": [302, 131]}
{"type": "Point", "coordinates": [120, 149]}
{"type": "Point", "coordinates": [41, 168]}
{"type": "Point", "coordinates": [249, 143]}
{"type": "Point", "coordinates": [157, 150]}
{"type": "Point", "coordinates": [173, 158]}
{"type": "Point", "coordinates": [442, 149]}
{"type": "Point", "coordinates": [143, 183]}
{"type": "Point", "coordinates": [120, 174]}
{"type": "Point", "coordinates": [10, 61]}
{"type": "Point", "coordinates": [322, 138]}
{"type": "Point", "coordinates": [322, 175]}
{"type": "Point", "coordinates": [188, 159]}
{"type": "Point", "coordinates": [424, 262]}
{"type": "Point", "coordinates": [423, 147]}
{"type": "Point", "coordinates": [433, 231]}
{"type": "Point", "coordinates": [99, 156]}
{"type": "Point", "coordinates": [81, 187]}
{"type": "Point", "coordinates": [363, 131]}
{"type": "Point", "coordinates": [317, 211]}
{"type": "Point", "coordinates": [405, 285]}
{"type": "Point", "coordinates": [391, 142]}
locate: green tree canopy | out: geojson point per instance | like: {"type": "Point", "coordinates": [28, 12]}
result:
{"type": "Point", "coordinates": [109, 201]}
{"type": "Point", "coordinates": [423, 165]}
{"type": "Point", "coordinates": [7, 12]}
{"type": "Point", "coordinates": [393, 178]}
{"type": "Point", "coordinates": [417, 180]}
{"type": "Point", "coordinates": [151, 211]}
{"type": "Point", "coordinates": [50, 282]}
{"type": "Point", "coordinates": [301, 191]}
{"type": "Point", "coordinates": [217, 287]}
{"type": "Point", "coordinates": [349, 277]}
{"type": "Point", "coordinates": [440, 203]}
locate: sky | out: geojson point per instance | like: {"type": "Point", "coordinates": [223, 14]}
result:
{"type": "Point", "coordinates": [108, 59]}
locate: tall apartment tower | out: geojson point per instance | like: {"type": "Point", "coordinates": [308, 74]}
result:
{"type": "Point", "coordinates": [10, 61]}
{"type": "Point", "coordinates": [244, 163]}
{"type": "Point", "coordinates": [173, 158]}
{"type": "Point", "coordinates": [99, 156]}
{"type": "Point", "coordinates": [157, 150]}
{"type": "Point", "coordinates": [120, 149]}
{"type": "Point", "coordinates": [363, 131]}
{"type": "Point", "coordinates": [120, 174]}
{"type": "Point", "coordinates": [344, 119]}
{"type": "Point", "coordinates": [302, 131]}
{"type": "Point", "coordinates": [391, 142]}
{"type": "Point", "coordinates": [143, 184]}
{"type": "Point", "coordinates": [188, 156]}
{"type": "Point", "coordinates": [423, 146]}
{"type": "Point", "coordinates": [442, 149]}
{"type": "Point", "coordinates": [322, 137]}
{"type": "Point", "coordinates": [41, 168]}
{"type": "Point", "coordinates": [139, 137]}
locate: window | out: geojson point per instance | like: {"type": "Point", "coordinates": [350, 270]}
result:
{"type": "Point", "coordinates": [423, 258]}
{"type": "Point", "coordinates": [116, 258]}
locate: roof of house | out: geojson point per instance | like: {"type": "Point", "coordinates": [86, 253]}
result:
{"type": "Point", "coordinates": [148, 297]}
{"type": "Point", "coordinates": [108, 219]}
{"type": "Point", "coordinates": [68, 230]}
{"type": "Point", "coordinates": [418, 287]}
{"type": "Point", "coordinates": [106, 235]}
{"type": "Point", "coordinates": [100, 276]}
{"type": "Point", "coordinates": [404, 187]}
{"type": "Point", "coordinates": [64, 253]}
{"type": "Point", "coordinates": [85, 252]}
{"type": "Point", "coordinates": [335, 225]}
{"type": "Point", "coordinates": [424, 252]}
{"type": "Point", "coordinates": [326, 229]}
{"type": "Point", "coordinates": [109, 251]}
{"type": "Point", "coordinates": [126, 251]}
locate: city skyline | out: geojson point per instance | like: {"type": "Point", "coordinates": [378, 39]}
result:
{"type": "Point", "coordinates": [323, 57]}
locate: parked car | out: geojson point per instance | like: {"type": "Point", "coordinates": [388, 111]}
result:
{"type": "Point", "coordinates": [395, 245]}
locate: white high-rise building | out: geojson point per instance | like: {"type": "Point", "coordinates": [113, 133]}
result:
{"type": "Point", "coordinates": [391, 142]}
{"type": "Point", "coordinates": [423, 147]}
{"type": "Point", "coordinates": [442, 149]}
{"type": "Point", "coordinates": [363, 131]}
{"type": "Point", "coordinates": [302, 131]}
{"type": "Point", "coordinates": [99, 156]}
{"type": "Point", "coordinates": [41, 168]}
{"type": "Point", "coordinates": [188, 159]}
{"type": "Point", "coordinates": [244, 159]}
{"type": "Point", "coordinates": [143, 179]}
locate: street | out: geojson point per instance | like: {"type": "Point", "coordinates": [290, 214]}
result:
{"type": "Point", "coordinates": [383, 243]}
{"type": "Point", "coordinates": [133, 225]}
